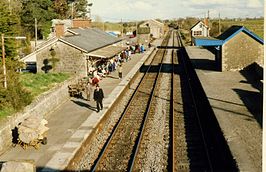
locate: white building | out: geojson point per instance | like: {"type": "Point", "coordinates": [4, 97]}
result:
{"type": "Point", "coordinates": [200, 29]}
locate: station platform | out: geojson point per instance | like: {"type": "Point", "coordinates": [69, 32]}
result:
{"type": "Point", "coordinates": [236, 99]}
{"type": "Point", "coordinates": [73, 121]}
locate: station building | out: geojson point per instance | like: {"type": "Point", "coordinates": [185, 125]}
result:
{"type": "Point", "coordinates": [156, 28]}
{"type": "Point", "coordinates": [200, 29]}
{"type": "Point", "coordinates": [235, 49]}
{"type": "Point", "coordinates": [74, 50]}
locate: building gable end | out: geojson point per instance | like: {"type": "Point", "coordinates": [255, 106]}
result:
{"type": "Point", "coordinates": [249, 33]}
{"type": "Point", "coordinates": [199, 22]}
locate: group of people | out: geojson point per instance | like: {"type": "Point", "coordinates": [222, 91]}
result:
{"type": "Point", "coordinates": [105, 68]}
{"type": "Point", "coordinates": [138, 48]}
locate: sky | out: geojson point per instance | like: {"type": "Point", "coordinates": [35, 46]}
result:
{"type": "Point", "coordinates": [130, 10]}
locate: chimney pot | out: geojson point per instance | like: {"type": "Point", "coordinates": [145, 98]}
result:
{"type": "Point", "coordinates": [83, 23]}
{"type": "Point", "coordinates": [59, 29]}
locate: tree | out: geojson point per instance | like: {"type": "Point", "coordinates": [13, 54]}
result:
{"type": "Point", "coordinates": [41, 10]}
{"type": "Point", "coordinates": [14, 96]}
{"type": "Point", "coordinates": [81, 7]}
{"type": "Point", "coordinates": [61, 8]}
{"type": "Point", "coordinates": [9, 25]}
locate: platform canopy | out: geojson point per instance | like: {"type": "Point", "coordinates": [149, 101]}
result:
{"type": "Point", "coordinates": [107, 52]}
{"type": "Point", "coordinates": [207, 41]}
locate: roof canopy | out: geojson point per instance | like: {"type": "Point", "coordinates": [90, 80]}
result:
{"type": "Point", "coordinates": [207, 41]}
{"type": "Point", "coordinates": [107, 52]}
{"type": "Point", "coordinates": [89, 39]}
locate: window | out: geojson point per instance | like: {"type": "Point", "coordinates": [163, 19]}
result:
{"type": "Point", "coordinates": [197, 33]}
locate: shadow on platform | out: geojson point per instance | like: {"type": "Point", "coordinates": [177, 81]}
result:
{"type": "Point", "coordinates": [166, 68]}
{"type": "Point", "coordinates": [205, 64]}
{"type": "Point", "coordinates": [253, 101]}
{"type": "Point", "coordinates": [168, 47]}
{"type": "Point", "coordinates": [47, 169]}
{"type": "Point", "coordinates": [253, 74]}
{"type": "Point", "coordinates": [80, 103]}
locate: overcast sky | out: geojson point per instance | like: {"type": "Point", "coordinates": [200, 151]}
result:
{"type": "Point", "coordinates": [130, 10]}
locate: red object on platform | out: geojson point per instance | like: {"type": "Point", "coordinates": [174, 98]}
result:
{"type": "Point", "coordinates": [95, 81]}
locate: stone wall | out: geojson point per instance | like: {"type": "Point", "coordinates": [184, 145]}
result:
{"type": "Point", "coordinates": [71, 60]}
{"type": "Point", "coordinates": [41, 106]}
{"type": "Point", "coordinates": [241, 51]}
{"type": "Point", "coordinates": [142, 38]}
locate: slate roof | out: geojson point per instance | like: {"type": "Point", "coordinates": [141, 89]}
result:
{"type": "Point", "coordinates": [226, 36]}
{"type": "Point", "coordinates": [233, 30]}
{"type": "Point", "coordinates": [89, 39]}
{"type": "Point", "coordinates": [107, 52]}
{"type": "Point", "coordinates": [197, 24]}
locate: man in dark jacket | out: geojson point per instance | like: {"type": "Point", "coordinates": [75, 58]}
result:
{"type": "Point", "coordinates": [98, 97]}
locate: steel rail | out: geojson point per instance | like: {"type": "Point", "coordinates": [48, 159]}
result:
{"type": "Point", "coordinates": [101, 155]}
{"type": "Point", "coordinates": [172, 115]}
{"type": "Point", "coordinates": [195, 105]}
{"type": "Point", "coordinates": [146, 114]}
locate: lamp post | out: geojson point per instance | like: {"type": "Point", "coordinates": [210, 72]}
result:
{"type": "Point", "coordinates": [3, 55]}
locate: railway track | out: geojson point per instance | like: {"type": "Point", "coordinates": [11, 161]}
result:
{"type": "Point", "coordinates": [167, 124]}
{"type": "Point", "coordinates": [198, 142]}
{"type": "Point", "coordinates": [117, 153]}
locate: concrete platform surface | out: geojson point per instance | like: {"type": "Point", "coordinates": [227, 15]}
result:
{"type": "Point", "coordinates": [236, 99]}
{"type": "Point", "coordinates": [72, 122]}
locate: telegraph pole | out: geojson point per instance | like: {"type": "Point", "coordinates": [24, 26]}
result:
{"type": "Point", "coordinates": [219, 30]}
{"type": "Point", "coordinates": [72, 11]}
{"type": "Point", "coordinates": [9, 6]}
{"type": "Point", "coordinates": [36, 32]}
{"type": "Point", "coordinates": [136, 28]}
{"type": "Point", "coordinates": [121, 28]}
{"type": "Point", "coordinates": [4, 54]}
{"type": "Point", "coordinates": [4, 60]}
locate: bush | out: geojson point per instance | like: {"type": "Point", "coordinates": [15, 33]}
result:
{"type": "Point", "coordinates": [14, 96]}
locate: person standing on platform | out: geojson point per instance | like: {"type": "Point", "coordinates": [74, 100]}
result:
{"type": "Point", "coordinates": [89, 89]}
{"type": "Point", "coordinates": [120, 71]}
{"type": "Point", "coordinates": [98, 97]}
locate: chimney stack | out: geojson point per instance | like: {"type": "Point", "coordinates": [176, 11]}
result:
{"type": "Point", "coordinates": [83, 23]}
{"type": "Point", "coordinates": [206, 22]}
{"type": "Point", "coordinates": [59, 29]}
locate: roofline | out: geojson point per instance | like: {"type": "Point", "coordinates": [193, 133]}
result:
{"type": "Point", "coordinates": [38, 50]}
{"type": "Point", "coordinates": [157, 21]}
{"type": "Point", "coordinates": [198, 23]}
{"type": "Point", "coordinates": [85, 51]}
{"type": "Point", "coordinates": [244, 29]}
{"type": "Point", "coordinates": [72, 45]}
{"type": "Point", "coordinates": [71, 31]}
{"type": "Point", "coordinates": [104, 46]}
{"type": "Point", "coordinates": [162, 24]}
{"type": "Point", "coordinates": [207, 42]}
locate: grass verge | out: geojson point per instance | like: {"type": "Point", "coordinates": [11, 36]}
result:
{"type": "Point", "coordinates": [36, 84]}
{"type": "Point", "coordinates": [39, 83]}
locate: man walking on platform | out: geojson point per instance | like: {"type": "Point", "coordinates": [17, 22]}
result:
{"type": "Point", "coordinates": [98, 97]}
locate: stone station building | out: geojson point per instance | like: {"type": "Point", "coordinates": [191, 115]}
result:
{"type": "Point", "coordinates": [236, 48]}
{"type": "Point", "coordinates": [74, 50]}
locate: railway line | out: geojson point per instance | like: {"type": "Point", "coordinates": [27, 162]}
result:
{"type": "Point", "coordinates": [166, 125]}
{"type": "Point", "coordinates": [118, 151]}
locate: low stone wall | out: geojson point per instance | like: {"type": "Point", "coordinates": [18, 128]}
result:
{"type": "Point", "coordinates": [41, 106]}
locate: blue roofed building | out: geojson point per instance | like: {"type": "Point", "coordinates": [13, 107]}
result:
{"type": "Point", "coordinates": [236, 48]}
